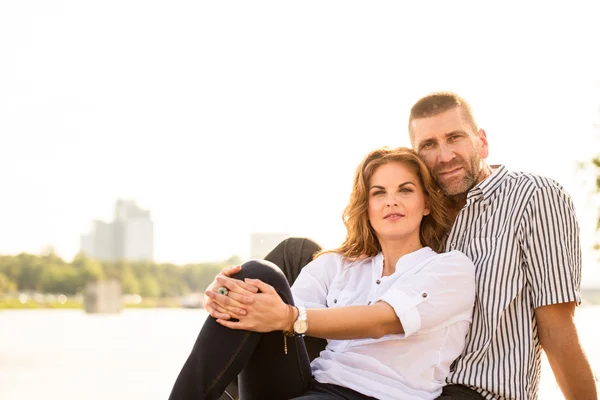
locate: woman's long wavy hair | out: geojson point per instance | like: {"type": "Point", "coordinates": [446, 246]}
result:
{"type": "Point", "coordinates": [361, 239]}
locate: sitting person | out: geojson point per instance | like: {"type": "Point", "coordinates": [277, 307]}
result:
{"type": "Point", "coordinates": [394, 312]}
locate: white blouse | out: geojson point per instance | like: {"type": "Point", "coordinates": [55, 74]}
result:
{"type": "Point", "coordinates": [433, 296]}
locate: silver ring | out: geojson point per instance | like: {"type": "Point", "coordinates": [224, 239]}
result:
{"type": "Point", "coordinates": [223, 290]}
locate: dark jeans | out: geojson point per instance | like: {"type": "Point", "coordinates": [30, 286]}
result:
{"type": "Point", "coordinates": [258, 360]}
{"type": "Point", "coordinates": [459, 392]}
{"type": "Point", "coordinates": [326, 391]}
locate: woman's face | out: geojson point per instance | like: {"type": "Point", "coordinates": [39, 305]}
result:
{"type": "Point", "coordinates": [397, 202]}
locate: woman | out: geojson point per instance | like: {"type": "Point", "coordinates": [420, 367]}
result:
{"type": "Point", "coordinates": [395, 312]}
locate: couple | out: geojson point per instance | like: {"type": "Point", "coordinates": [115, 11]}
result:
{"type": "Point", "coordinates": [394, 307]}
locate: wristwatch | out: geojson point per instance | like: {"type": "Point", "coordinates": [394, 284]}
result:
{"type": "Point", "coordinates": [301, 324]}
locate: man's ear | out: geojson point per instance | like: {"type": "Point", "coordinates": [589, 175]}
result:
{"type": "Point", "coordinates": [483, 150]}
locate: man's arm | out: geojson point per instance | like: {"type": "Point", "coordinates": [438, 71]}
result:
{"type": "Point", "coordinates": [559, 339]}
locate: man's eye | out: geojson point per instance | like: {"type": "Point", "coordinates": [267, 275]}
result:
{"type": "Point", "coordinates": [455, 137]}
{"type": "Point", "coordinates": [426, 146]}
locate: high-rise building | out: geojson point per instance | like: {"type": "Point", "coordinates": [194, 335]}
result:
{"type": "Point", "coordinates": [130, 236]}
{"type": "Point", "coordinates": [262, 243]}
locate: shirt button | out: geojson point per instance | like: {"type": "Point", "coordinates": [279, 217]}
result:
{"type": "Point", "coordinates": [423, 294]}
{"type": "Point", "coordinates": [453, 245]}
{"type": "Point", "coordinates": [369, 303]}
{"type": "Point", "coordinates": [378, 281]}
{"type": "Point", "coordinates": [335, 301]}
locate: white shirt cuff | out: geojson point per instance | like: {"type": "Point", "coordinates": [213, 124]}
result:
{"type": "Point", "coordinates": [406, 310]}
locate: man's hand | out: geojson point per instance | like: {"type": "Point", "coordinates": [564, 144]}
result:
{"type": "Point", "coordinates": [558, 336]}
{"type": "Point", "coordinates": [240, 292]}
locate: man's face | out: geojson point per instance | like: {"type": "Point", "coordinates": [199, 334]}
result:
{"type": "Point", "coordinates": [451, 149]}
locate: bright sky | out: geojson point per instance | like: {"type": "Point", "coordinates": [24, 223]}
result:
{"type": "Point", "coordinates": [225, 118]}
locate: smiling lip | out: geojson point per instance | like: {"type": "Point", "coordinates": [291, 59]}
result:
{"type": "Point", "coordinates": [393, 216]}
{"type": "Point", "coordinates": [452, 171]}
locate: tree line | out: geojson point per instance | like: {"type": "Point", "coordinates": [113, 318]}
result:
{"type": "Point", "coordinates": [48, 273]}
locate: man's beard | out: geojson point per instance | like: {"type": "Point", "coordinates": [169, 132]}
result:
{"type": "Point", "coordinates": [471, 170]}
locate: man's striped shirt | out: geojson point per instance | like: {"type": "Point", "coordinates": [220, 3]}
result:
{"type": "Point", "coordinates": [522, 234]}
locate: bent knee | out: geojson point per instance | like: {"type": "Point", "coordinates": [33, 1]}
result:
{"type": "Point", "coordinates": [264, 270]}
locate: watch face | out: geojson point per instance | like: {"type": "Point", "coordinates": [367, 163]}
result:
{"type": "Point", "coordinates": [300, 326]}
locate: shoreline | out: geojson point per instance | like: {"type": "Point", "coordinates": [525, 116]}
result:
{"type": "Point", "coordinates": [15, 304]}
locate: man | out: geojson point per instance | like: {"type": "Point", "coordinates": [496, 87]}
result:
{"type": "Point", "coordinates": [521, 232]}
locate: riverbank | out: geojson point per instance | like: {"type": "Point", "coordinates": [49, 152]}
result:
{"type": "Point", "coordinates": [17, 304]}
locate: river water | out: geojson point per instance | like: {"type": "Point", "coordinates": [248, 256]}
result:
{"type": "Point", "coordinates": [135, 355]}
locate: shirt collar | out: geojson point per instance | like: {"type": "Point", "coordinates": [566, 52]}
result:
{"type": "Point", "coordinates": [406, 261]}
{"type": "Point", "coordinates": [486, 187]}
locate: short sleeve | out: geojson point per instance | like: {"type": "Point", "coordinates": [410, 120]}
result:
{"type": "Point", "coordinates": [439, 294]}
{"type": "Point", "coordinates": [312, 285]}
{"type": "Point", "coordinates": [549, 238]}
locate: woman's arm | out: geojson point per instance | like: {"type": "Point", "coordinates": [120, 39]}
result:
{"type": "Point", "coordinates": [353, 322]}
{"type": "Point", "coordinates": [310, 288]}
{"type": "Point", "coordinates": [269, 313]}
{"type": "Point", "coordinates": [441, 293]}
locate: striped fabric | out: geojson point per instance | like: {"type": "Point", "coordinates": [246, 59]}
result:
{"type": "Point", "coordinates": [521, 232]}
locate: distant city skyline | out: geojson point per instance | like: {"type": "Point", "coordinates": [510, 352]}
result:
{"type": "Point", "coordinates": [129, 236]}
{"type": "Point", "coordinates": [225, 120]}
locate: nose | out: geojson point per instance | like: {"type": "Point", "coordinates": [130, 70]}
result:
{"type": "Point", "coordinates": [446, 153]}
{"type": "Point", "coordinates": [391, 200]}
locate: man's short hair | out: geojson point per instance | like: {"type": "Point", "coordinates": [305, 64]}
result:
{"type": "Point", "coordinates": [439, 102]}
